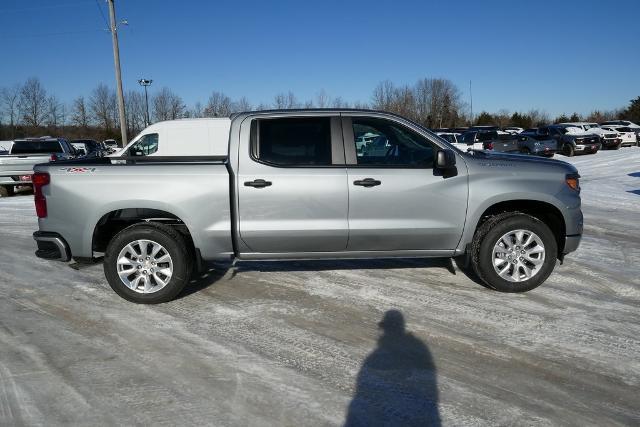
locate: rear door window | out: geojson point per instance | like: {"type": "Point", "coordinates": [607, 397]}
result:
{"type": "Point", "coordinates": [303, 141]}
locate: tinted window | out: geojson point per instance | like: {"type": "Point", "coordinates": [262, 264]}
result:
{"type": "Point", "coordinates": [291, 142]}
{"type": "Point", "coordinates": [147, 144]}
{"type": "Point", "coordinates": [395, 145]}
{"type": "Point", "coordinates": [468, 138]}
{"type": "Point", "coordinates": [36, 147]}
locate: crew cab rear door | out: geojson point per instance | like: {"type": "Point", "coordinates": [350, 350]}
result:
{"type": "Point", "coordinates": [397, 202]}
{"type": "Point", "coordinates": [292, 185]}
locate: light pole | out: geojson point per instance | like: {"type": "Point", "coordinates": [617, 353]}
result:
{"type": "Point", "coordinates": [145, 83]}
{"type": "Point", "coordinates": [113, 27]}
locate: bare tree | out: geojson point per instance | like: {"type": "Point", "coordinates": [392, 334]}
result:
{"type": "Point", "coordinates": [218, 105]}
{"type": "Point", "coordinates": [10, 98]}
{"type": "Point", "coordinates": [240, 105]}
{"type": "Point", "coordinates": [167, 105]}
{"type": "Point", "coordinates": [54, 112]}
{"type": "Point", "coordinates": [285, 101]}
{"type": "Point", "coordinates": [323, 100]}
{"type": "Point", "coordinates": [32, 102]}
{"type": "Point", "coordinates": [196, 111]}
{"type": "Point", "coordinates": [79, 113]}
{"type": "Point", "coordinates": [383, 96]}
{"type": "Point", "coordinates": [102, 105]}
{"type": "Point", "coordinates": [135, 108]}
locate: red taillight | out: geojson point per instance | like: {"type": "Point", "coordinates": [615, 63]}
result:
{"type": "Point", "coordinates": [39, 180]}
{"type": "Point", "coordinates": [489, 146]}
{"type": "Point", "coordinates": [53, 157]}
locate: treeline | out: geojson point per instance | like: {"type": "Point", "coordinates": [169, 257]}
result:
{"type": "Point", "coordinates": [27, 109]}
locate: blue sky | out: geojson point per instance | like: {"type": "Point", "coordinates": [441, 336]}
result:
{"type": "Point", "coordinates": [559, 56]}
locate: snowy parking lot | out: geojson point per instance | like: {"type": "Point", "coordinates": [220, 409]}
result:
{"type": "Point", "coordinates": [317, 343]}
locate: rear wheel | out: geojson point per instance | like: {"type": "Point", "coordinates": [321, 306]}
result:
{"type": "Point", "coordinates": [148, 263]}
{"type": "Point", "coordinates": [514, 252]}
{"type": "Point", "coordinates": [6, 191]}
{"type": "Point", "coordinates": [567, 150]}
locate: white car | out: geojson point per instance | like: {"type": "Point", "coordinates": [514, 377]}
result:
{"type": "Point", "coordinates": [513, 130]}
{"type": "Point", "coordinates": [625, 133]}
{"type": "Point", "coordinates": [455, 139]}
{"type": "Point", "coordinates": [626, 123]}
{"type": "Point", "coordinates": [608, 138]}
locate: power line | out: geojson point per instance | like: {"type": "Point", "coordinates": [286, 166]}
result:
{"type": "Point", "coordinates": [104, 18]}
{"type": "Point", "coordinates": [50, 6]}
{"type": "Point", "coordinates": [61, 33]}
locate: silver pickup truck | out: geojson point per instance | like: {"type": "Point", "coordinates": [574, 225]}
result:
{"type": "Point", "coordinates": [16, 167]}
{"type": "Point", "coordinates": [282, 185]}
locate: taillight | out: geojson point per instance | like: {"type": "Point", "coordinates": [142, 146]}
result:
{"type": "Point", "coordinates": [39, 180]}
{"type": "Point", "coordinates": [53, 157]}
{"type": "Point", "coordinates": [25, 177]}
{"type": "Point", "coordinates": [489, 146]}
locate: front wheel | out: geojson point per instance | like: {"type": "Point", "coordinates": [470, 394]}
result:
{"type": "Point", "coordinates": [148, 263]}
{"type": "Point", "coordinates": [514, 252]}
{"type": "Point", "coordinates": [568, 150]}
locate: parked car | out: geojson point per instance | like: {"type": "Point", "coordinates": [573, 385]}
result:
{"type": "Point", "coordinates": [289, 184]}
{"type": "Point", "coordinates": [16, 168]}
{"type": "Point", "coordinates": [477, 140]}
{"type": "Point", "coordinates": [111, 144]}
{"type": "Point", "coordinates": [608, 139]}
{"type": "Point", "coordinates": [626, 123]}
{"type": "Point", "coordinates": [627, 136]}
{"type": "Point", "coordinates": [513, 130]}
{"type": "Point", "coordinates": [570, 140]}
{"type": "Point", "coordinates": [524, 144]}
{"type": "Point", "coordinates": [90, 147]}
{"type": "Point", "coordinates": [5, 146]}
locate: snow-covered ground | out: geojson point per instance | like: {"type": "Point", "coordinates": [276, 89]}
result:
{"type": "Point", "coordinates": [299, 343]}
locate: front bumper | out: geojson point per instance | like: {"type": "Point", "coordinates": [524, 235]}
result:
{"type": "Point", "coordinates": [51, 246]}
{"type": "Point", "coordinates": [589, 148]}
{"type": "Point", "coordinates": [571, 243]}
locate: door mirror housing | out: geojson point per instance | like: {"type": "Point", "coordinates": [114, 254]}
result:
{"type": "Point", "coordinates": [445, 159]}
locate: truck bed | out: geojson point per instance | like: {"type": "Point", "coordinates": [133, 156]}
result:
{"type": "Point", "coordinates": [194, 190]}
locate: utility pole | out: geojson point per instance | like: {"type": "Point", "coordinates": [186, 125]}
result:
{"type": "Point", "coordinates": [116, 60]}
{"type": "Point", "coordinates": [145, 83]}
{"type": "Point", "coordinates": [471, 95]}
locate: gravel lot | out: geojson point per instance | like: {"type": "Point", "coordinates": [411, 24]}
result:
{"type": "Point", "coordinates": [300, 343]}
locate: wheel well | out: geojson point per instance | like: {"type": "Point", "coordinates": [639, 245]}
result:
{"type": "Point", "coordinates": [115, 221]}
{"type": "Point", "coordinates": [545, 212]}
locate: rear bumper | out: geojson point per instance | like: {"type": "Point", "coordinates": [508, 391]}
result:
{"type": "Point", "coordinates": [51, 246]}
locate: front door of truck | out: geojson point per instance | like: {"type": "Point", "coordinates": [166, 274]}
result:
{"type": "Point", "coordinates": [292, 185]}
{"type": "Point", "coordinates": [396, 201]}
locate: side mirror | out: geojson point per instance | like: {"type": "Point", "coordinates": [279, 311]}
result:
{"type": "Point", "coordinates": [445, 159]}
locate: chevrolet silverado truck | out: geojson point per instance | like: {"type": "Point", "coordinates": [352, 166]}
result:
{"type": "Point", "coordinates": [284, 185]}
{"type": "Point", "coordinates": [16, 167]}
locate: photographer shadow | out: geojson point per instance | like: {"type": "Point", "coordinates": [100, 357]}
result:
{"type": "Point", "coordinates": [397, 382]}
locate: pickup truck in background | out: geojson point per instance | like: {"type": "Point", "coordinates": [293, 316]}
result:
{"type": "Point", "coordinates": [16, 167]}
{"type": "Point", "coordinates": [536, 145]}
{"type": "Point", "coordinates": [570, 140]}
{"type": "Point", "coordinates": [283, 185]}
{"type": "Point", "coordinates": [609, 140]}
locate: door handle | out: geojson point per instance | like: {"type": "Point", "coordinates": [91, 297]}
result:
{"type": "Point", "coordinates": [367, 182]}
{"type": "Point", "coordinates": [257, 183]}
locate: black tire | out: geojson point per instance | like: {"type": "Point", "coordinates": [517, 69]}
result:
{"type": "Point", "coordinates": [7, 190]}
{"type": "Point", "coordinates": [169, 238]}
{"type": "Point", "coordinates": [568, 150]}
{"type": "Point", "coordinates": [488, 234]}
